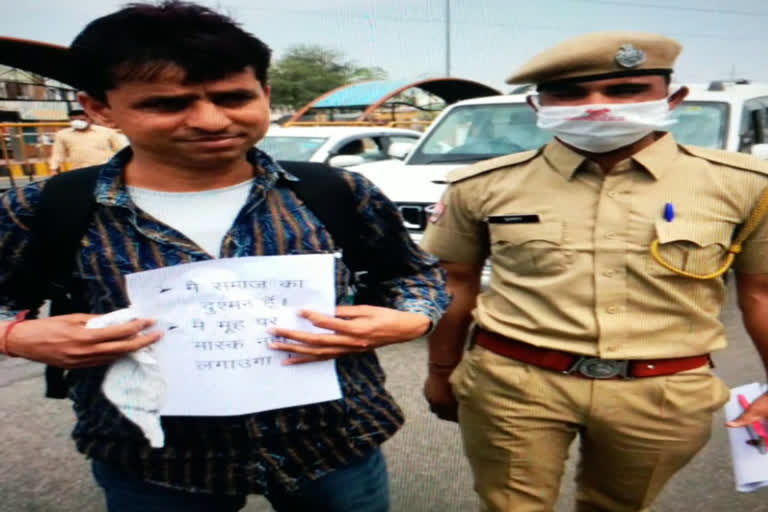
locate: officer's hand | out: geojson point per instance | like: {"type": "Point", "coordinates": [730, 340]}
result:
{"type": "Point", "coordinates": [439, 395]}
{"type": "Point", "coordinates": [355, 329]}
{"type": "Point", "coordinates": [65, 342]}
{"type": "Point", "coordinates": [758, 411]}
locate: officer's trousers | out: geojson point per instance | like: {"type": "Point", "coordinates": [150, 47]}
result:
{"type": "Point", "coordinates": [518, 421]}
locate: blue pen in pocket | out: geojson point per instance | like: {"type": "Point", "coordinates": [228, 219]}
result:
{"type": "Point", "coordinates": [669, 212]}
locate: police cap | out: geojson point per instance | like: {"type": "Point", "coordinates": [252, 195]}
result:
{"type": "Point", "coordinates": [601, 55]}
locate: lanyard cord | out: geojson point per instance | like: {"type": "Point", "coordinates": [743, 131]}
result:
{"type": "Point", "coordinates": [756, 216]}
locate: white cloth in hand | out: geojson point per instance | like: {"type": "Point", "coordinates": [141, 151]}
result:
{"type": "Point", "coordinates": [134, 382]}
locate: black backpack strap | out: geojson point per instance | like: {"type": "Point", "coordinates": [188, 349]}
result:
{"type": "Point", "coordinates": [326, 192]}
{"type": "Point", "coordinates": [66, 205]}
{"type": "Point", "coordinates": [65, 209]}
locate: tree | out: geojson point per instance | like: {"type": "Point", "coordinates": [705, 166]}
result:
{"type": "Point", "coordinates": [305, 72]}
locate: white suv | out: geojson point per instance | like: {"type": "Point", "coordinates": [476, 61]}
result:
{"type": "Point", "coordinates": [722, 115]}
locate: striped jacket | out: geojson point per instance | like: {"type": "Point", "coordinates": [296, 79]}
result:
{"type": "Point", "coordinates": [241, 454]}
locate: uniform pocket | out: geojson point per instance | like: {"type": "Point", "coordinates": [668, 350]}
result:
{"type": "Point", "coordinates": [694, 394]}
{"type": "Point", "coordinates": [699, 248]}
{"type": "Point", "coordinates": [530, 249]}
{"type": "Point", "coordinates": [464, 375]}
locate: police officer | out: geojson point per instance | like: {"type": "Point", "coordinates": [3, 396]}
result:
{"type": "Point", "coordinates": [607, 248]}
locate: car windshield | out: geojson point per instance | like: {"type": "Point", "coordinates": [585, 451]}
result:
{"type": "Point", "coordinates": [478, 132]}
{"type": "Point", "coordinates": [701, 123]}
{"type": "Point", "coordinates": [298, 149]}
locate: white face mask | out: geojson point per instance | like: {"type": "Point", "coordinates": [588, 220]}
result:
{"type": "Point", "coordinates": [605, 127]}
{"type": "Point", "coordinates": [79, 124]}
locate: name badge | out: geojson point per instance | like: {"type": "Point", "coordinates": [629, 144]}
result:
{"type": "Point", "coordinates": [514, 219]}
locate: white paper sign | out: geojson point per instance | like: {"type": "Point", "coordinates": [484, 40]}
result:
{"type": "Point", "coordinates": [216, 315]}
{"type": "Point", "coordinates": [750, 467]}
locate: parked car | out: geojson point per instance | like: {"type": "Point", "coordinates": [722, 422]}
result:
{"type": "Point", "coordinates": [340, 146]}
{"type": "Point", "coordinates": [730, 116]}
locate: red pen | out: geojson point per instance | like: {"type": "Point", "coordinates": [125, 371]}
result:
{"type": "Point", "coordinates": [757, 434]}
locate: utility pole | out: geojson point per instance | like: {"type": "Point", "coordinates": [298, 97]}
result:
{"type": "Point", "coordinates": [447, 37]}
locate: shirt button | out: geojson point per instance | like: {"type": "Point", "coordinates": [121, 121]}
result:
{"type": "Point", "coordinates": [612, 310]}
{"type": "Point", "coordinates": [608, 273]}
{"type": "Point", "coordinates": [610, 235]}
{"type": "Point", "coordinates": [611, 349]}
{"type": "Point", "coordinates": [612, 193]}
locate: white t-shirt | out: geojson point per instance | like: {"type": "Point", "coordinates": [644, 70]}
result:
{"type": "Point", "coordinates": [204, 217]}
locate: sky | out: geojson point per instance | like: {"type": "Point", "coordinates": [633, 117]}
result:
{"type": "Point", "coordinates": [489, 38]}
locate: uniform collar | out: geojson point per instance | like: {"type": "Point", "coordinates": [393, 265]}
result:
{"type": "Point", "coordinates": [563, 159]}
{"type": "Point", "coordinates": [655, 158]}
{"type": "Point", "coordinates": [658, 157]}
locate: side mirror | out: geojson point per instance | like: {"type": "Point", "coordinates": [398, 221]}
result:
{"type": "Point", "coordinates": [345, 160]}
{"type": "Point", "coordinates": [400, 150]}
{"type": "Point", "coordinates": [760, 151]}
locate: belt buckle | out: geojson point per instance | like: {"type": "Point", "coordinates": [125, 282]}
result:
{"type": "Point", "coordinates": [596, 368]}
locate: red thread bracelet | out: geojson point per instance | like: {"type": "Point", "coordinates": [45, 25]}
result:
{"type": "Point", "coordinates": [20, 317]}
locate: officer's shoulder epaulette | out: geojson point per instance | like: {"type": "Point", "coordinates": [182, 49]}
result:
{"type": "Point", "coordinates": [490, 165]}
{"type": "Point", "coordinates": [729, 158]}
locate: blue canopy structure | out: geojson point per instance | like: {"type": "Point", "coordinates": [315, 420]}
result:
{"type": "Point", "coordinates": [361, 94]}
{"type": "Point", "coordinates": [370, 95]}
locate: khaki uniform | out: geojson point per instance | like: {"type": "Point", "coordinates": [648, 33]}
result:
{"type": "Point", "coordinates": [572, 271]}
{"type": "Point", "coordinates": [82, 148]}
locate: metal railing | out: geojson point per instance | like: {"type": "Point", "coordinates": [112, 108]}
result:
{"type": "Point", "coordinates": [330, 123]}
{"type": "Point", "coordinates": [25, 149]}
{"type": "Point", "coordinates": [413, 125]}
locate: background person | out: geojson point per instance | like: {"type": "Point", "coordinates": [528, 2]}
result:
{"type": "Point", "coordinates": [83, 144]}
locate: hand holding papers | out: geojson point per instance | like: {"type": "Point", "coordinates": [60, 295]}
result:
{"type": "Point", "coordinates": [355, 329]}
{"type": "Point", "coordinates": [217, 316]}
{"type": "Point", "coordinates": [750, 466]}
{"type": "Point", "coordinates": [757, 435]}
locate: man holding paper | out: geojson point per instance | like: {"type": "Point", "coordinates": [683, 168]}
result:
{"type": "Point", "coordinates": [188, 87]}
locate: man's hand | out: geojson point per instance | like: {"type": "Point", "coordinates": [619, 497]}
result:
{"type": "Point", "coordinates": [446, 343]}
{"type": "Point", "coordinates": [752, 292]}
{"type": "Point", "coordinates": [65, 342]}
{"type": "Point", "coordinates": [355, 329]}
{"type": "Point", "coordinates": [439, 395]}
{"type": "Point", "coordinates": [758, 411]}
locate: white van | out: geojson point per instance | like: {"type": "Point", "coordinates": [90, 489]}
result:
{"type": "Point", "coordinates": [730, 116]}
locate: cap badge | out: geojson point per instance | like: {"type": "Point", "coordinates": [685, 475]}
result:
{"type": "Point", "coordinates": [629, 57]}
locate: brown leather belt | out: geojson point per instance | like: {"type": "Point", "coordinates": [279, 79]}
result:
{"type": "Point", "coordinates": [584, 366]}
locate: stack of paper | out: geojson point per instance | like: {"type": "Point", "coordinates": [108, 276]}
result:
{"type": "Point", "coordinates": [216, 316]}
{"type": "Point", "coordinates": [750, 467]}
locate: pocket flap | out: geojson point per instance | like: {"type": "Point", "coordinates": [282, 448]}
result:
{"type": "Point", "coordinates": [517, 234]}
{"type": "Point", "coordinates": [701, 234]}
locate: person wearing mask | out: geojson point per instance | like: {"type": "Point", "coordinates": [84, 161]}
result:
{"type": "Point", "coordinates": [83, 144]}
{"type": "Point", "coordinates": [608, 248]}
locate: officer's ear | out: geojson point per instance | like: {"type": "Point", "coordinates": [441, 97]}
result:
{"type": "Point", "coordinates": [96, 109]}
{"type": "Point", "coordinates": [532, 101]}
{"type": "Point", "coordinates": [677, 97]}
